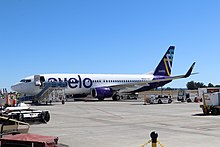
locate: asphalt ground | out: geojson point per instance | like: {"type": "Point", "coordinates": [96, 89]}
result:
{"type": "Point", "coordinates": [129, 124]}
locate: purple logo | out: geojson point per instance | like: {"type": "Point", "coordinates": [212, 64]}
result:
{"type": "Point", "coordinates": [74, 82]}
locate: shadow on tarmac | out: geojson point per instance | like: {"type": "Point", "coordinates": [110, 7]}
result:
{"type": "Point", "coordinates": [202, 114]}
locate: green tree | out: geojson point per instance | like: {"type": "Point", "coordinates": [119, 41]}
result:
{"type": "Point", "coordinates": [199, 85]}
{"type": "Point", "coordinates": [210, 85]}
{"type": "Point", "coordinates": [191, 85]}
{"type": "Point", "coordinates": [195, 85]}
{"type": "Point", "coordinates": [169, 88]}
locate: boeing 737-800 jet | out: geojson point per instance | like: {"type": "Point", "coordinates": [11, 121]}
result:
{"type": "Point", "coordinates": [102, 86]}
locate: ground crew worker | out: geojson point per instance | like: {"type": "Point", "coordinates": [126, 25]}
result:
{"type": "Point", "coordinates": [3, 96]}
{"type": "Point", "coordinates": [8, 102]}
{"type": "Point", "coordinates": [13, 98]}
{"type": "Point", "coordinates": [18, 95]}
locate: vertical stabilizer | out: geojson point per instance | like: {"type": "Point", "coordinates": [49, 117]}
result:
{"type": "Point", "coordinates": [165, 66]}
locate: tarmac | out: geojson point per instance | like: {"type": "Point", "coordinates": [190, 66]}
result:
{"type": "Point", "coordinates": [129, 124]}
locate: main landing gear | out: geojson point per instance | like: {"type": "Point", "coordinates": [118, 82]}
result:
{"type": "Point", "coordinates": [116, 97]}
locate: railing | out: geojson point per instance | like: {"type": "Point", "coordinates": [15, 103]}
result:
{"type": "Point", "coordinates": [47, 85]}
{"type": "Point", "coordinates": [12, 126]}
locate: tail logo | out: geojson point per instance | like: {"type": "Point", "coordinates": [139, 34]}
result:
{"type": "Point", "coordinates": [168, 61]}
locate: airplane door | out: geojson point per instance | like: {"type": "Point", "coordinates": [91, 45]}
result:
{"type": "Point", "coordinates": [37, 81]}
{"type": "Point", "coordinates": [42, 79]}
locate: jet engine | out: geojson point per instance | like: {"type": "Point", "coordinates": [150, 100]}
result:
{"type": "Point", "coordinates": [102, 92]}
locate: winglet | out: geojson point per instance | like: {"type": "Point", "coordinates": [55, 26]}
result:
{"type": "Point", "coordinates": [189, 72]}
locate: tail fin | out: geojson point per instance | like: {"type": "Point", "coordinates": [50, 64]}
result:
{"type": "Point", "coordinates": [165, 65]}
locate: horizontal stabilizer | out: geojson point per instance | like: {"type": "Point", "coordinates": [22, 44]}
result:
{"type": "Point", "coordinates": [188, 73]}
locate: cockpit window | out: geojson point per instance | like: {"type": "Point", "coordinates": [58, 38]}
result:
{"type": "Point", "coordinates": [25, 80]}
{"type": "Point", "coordinates": [22, 81]}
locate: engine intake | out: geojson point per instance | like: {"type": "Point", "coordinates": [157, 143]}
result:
{"type": "Point", "coordinates": [102, 92]}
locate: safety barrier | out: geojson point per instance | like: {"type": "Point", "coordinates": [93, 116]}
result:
{"type": "Point", "coordinates": [153, 141]}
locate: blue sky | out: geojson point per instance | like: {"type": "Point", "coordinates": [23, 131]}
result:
{"type": "Point", "coordinates": [111, 36]}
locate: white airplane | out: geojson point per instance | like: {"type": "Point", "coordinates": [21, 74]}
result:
{"type": "Point", "coordinates": [103, 86]}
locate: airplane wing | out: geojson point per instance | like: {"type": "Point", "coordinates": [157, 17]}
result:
{"type": "Point", "coordinates": [136, 85]}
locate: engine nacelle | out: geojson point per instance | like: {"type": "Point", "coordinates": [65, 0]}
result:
{"type": "Point", "coordinates": [102, 92]}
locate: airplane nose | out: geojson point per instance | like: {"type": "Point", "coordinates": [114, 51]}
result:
{"type": "Point", "coordinates": [15, 88]}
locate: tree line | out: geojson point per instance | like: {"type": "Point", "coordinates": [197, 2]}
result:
{"type": "Point", "coordinates": [195, 85]}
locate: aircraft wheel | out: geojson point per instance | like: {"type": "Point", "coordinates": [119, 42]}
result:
{"type": "Point", "coordinates": [116, 97]}
{"type": "Point", "coordinates": [188, 100]}
{"type": "Point", "coordinates": [214, 111]}
{"type": "Point", "coordinates": [35, 102]}
{"type": "Point", "coordinates": [101, 99]}
{"type": "Point", "coordinates": [205, 112]}
{"type": "Point", "coordinates": [159, 102]}
{"type": "Point", "coordinates": [169, 101]}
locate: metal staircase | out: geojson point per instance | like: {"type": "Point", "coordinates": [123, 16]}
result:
{"type": "Point", "coordinates": [48, 89]}
{"type": "Point", "coordinates": [50, 85]}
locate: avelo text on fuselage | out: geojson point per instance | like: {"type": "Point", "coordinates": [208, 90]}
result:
{"type": "Point", "coordinates": [74, 82]}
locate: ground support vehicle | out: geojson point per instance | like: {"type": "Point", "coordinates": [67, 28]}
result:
{"type": "Point", "coordinates": [26, 114]}
{"type": "Point", "coordinates": [50, 91]}
{"type": "Point", "coordinates": [160, 99]}
{"type": "Point", "coordinates": [12, 126]}
{"type": "Point", "coordinates": [185, 96]}
{"type": "Point", "coordinates": [211, 103]}
{"type": "Point", "coordinates": [130, 96]}
{"type": "Point", "coordinates": [29, 140]}
{"type": "Point", "coordinates": [207, 90]}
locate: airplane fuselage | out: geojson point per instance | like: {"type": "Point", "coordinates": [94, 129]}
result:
{"type": "Point", "coordinates": [82, 83]}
